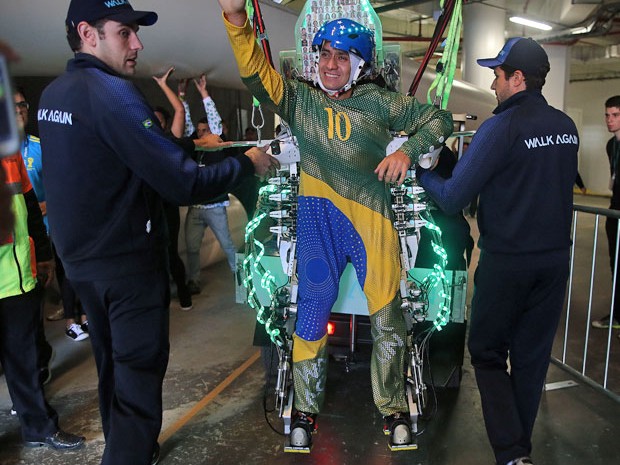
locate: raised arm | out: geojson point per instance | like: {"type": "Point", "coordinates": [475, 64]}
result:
{"type": "Point", "coordinates": [181, 91]}
{"type": "Point", "coordinates": [214, 118]}
{"type": "Point", "coordinates": [234, 10]}
{"type": "Point", "coordinates": [177, 126]}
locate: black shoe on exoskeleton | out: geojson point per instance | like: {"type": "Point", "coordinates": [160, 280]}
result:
{"type": "Point", "coordinates": [302, 428]}
{"type": "Point", "coordinates": [398, 426]}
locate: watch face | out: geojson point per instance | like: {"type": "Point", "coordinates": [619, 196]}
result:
{"type": "Point", "coordinates": [9, 136]}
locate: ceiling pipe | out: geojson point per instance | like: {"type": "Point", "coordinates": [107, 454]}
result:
{"type": "Point", "coordinates": [408, 39]}
{"type": "Point", "coordinates": [600, 23]}
{"type": "Point", "coordinates": [397, 5]}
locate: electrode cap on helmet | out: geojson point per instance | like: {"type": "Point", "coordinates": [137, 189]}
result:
{"type": "Point", "coordinates": [347, 35]}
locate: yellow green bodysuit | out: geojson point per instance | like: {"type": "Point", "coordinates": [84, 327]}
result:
{"type": "Point", "coordinates": [344, 213]}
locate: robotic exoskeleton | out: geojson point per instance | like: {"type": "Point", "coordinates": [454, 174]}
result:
{"type": "Point", "coordinates": [278, 201]}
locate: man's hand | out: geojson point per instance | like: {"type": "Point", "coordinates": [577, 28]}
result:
{"type": "Point", "coordinates": [264, 164]}
{"type": "Point", "coordinates": [161, 81]}
{"type": "Point", "coordinates": [234, 10]}
{"type": "Point", "coordinates": [211, 142]}
{"type": "Point", "coordinates": [201, 85]}
{"type": "Point", "coordinates": [393, 168]}
{"type": "Point", "coordinates": [45, 270]}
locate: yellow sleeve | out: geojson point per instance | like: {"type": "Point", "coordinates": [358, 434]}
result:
{"type": "Point", "coordinates": [252, 63]}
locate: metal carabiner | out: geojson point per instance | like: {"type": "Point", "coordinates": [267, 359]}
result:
{"type": "Point", "coordinates": [258, 125]}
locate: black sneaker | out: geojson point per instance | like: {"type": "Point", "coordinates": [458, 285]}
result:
{"type": "Point", "coordinates": [75, 332]}
{"type": "Point", "coordinates": [186, 306]}
{"type": "Point", "coordinates": [304, 424]}
{"type": "Point", "coordinates": [398, 427]}
{"type": "Point", "coordinates": [185, 299]}
{"type": "Point", "coordinates": [521, 461]}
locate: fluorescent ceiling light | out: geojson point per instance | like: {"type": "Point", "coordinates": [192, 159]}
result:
{"type": "Point", "coordinates": [582, 30]}
{"type": "Point", "coordinates": [530, 23]}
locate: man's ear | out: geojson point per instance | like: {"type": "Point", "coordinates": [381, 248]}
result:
{"type": "Point", "coordinates": [518, 77]}
{"type": "Point", "coordinates": [87, 33]}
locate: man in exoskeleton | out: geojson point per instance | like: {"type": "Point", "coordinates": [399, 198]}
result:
{"type": "Point", "coordinates": [343, 123]}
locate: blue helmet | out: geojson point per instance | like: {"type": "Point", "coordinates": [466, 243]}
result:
{"type": "Point", "coordinates": [348, 36]}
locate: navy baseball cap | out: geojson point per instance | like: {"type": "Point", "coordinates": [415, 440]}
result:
{"type": "Point", "coordinates": [520, 53]}
{"type": "Point", "coordinates": [116, 10]}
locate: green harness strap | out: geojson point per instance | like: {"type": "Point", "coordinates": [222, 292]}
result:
{"type": "Point", "coordinates": [447, 64]}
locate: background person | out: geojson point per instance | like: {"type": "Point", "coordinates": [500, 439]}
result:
{"type": "Point", "coordinates": [213, 213]}
{"type": "Point", "coordinates": [76, 324]}
{"type": "Point", "coordinates": [22, 262]}
{"type": "Point", "coordinates": [30, 149]}
{"type": "Point", "coordinates": [612, 119]}
{"type": "Point", "coordinates": [174, 126]}
{"type": "Point", "coordinates": [580, 184]}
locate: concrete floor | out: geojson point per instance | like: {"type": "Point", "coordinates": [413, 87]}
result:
{"type": "Point", "coordinates": [213, 400]}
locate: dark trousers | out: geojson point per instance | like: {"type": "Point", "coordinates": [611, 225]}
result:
{"type": "Point", "coordinates": [128, 325]}
{"type": "Point", "coordinates": [44, 349]}
{"type": "Point", "coordinates": [611, 228]}
{"type": "Point", "coordinates": [19, 318]}
{"type": "Point", "coordinates": [515, 313]}
{"type": "Point", "coordinates": [177, 268]}
{"type": "Point", "coordinates": [70, 303]}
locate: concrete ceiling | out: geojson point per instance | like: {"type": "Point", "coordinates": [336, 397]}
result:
{"type": "Point", "coordinates": [595, 53]}
{"type": "Point", "coordinates": [190, 35]}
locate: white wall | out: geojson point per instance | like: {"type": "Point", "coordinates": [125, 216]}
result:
{"type": "Point", "coordinates": [588, 99]}
{"type": "Point", "coordinates": [556, 85]}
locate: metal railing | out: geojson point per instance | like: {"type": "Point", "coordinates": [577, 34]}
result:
{"type": "Point", "coordinates": [593, 356]}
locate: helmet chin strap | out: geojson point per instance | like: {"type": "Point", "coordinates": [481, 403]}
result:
{"type": "Point", "coordinates": [357, 65]}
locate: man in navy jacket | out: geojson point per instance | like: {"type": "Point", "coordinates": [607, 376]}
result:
{"type": "Point", "coordinates": [107, 166]}
{"type": "Point", "coordinates": [523, 163]}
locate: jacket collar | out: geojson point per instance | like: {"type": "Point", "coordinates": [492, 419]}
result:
{"type": "Point", "coordinates": [517, 99]}
{"type": "Point", "coordinates": [86, 60]}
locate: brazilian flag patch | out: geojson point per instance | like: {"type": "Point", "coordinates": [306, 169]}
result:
{"type": "Point", "coordinates": [147, 123]}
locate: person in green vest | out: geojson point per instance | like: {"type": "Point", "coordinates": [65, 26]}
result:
{"type": "Point", "coordinates": [25, 256]}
